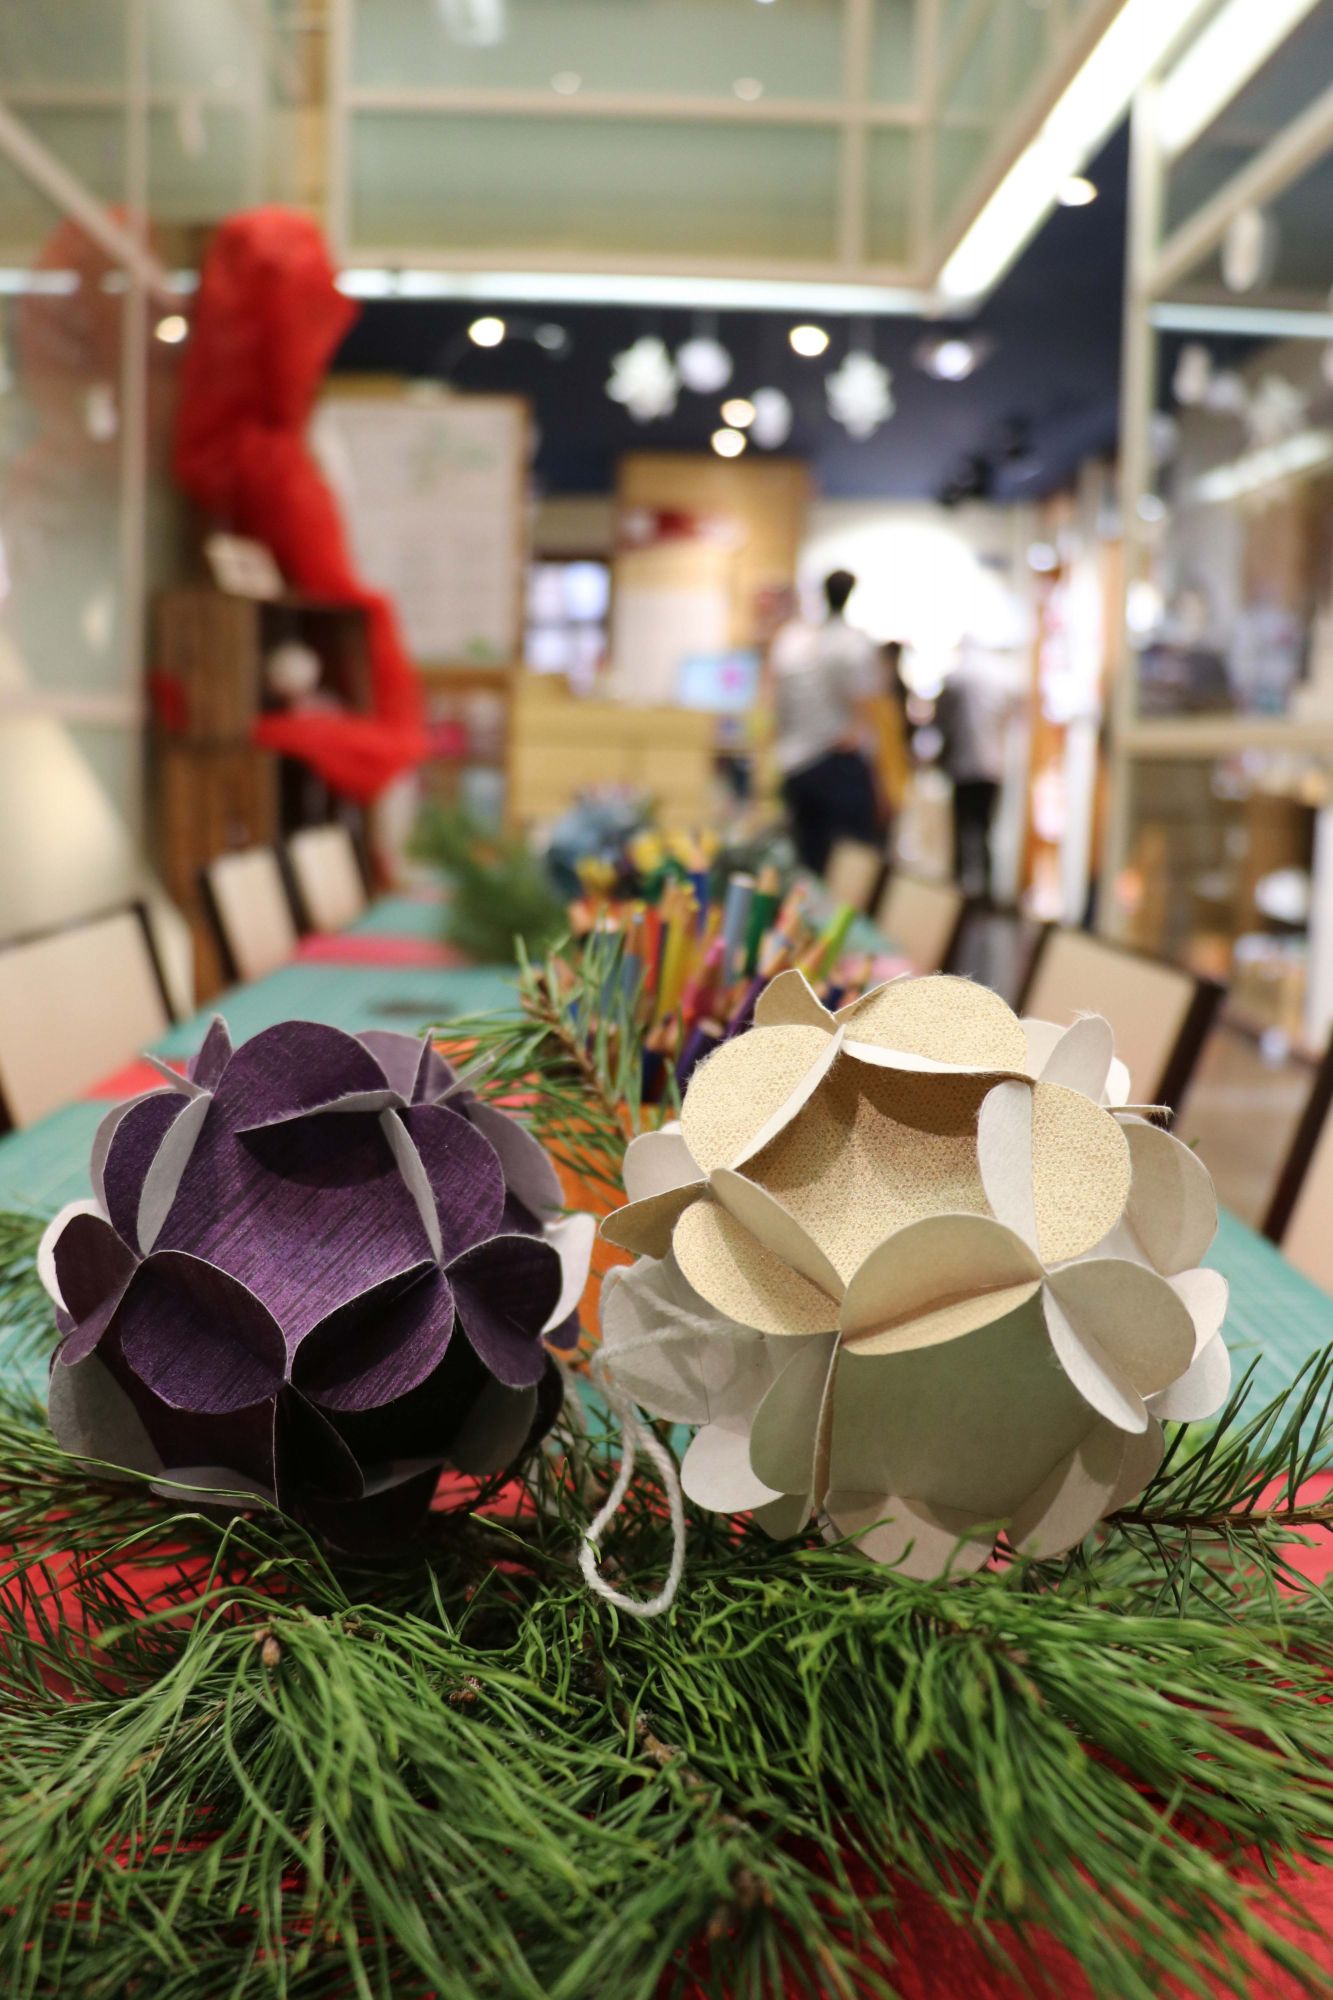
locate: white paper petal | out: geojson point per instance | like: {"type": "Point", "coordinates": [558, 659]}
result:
{"type": "Point", "coordinates": [1117, 1083]}
{"type": "Point", "coordinates": [528, 1171]}
{"type": "Point", "coordinates": [92, 1417]}
{"type": "Point", "coordinates": [1040, 1038]}
{"type": "Point", "coordinates": [788, 1437]}
{"type": "Point", "coordinates": [1073, 1498]}
{"type": "Point", "coordinates": [1201, 1390]}
{"type": "Point", "coordinates": [916, 1541]}
{"type": "Point", "coordinates": [935, 1281]}
{"type": "Point", "coordinates": [776, 1228]}
{"type": "Point", "coordinates": [572, 1238]}
{"type": "Point", "coordinates": [1081, 1059]}
{"type": "Point", "coordinates": [644, 1227]}
{"type": "Point", "coordinates": [1205, 1294]}
{"type": "Point", "coordinates": [46, 1259]}
{"type": "Point", "coordinates": [415, 1178]}
{"type": "Point", "coordinates": [937, 1024]}
{"type": "Point", "coordinates": [1172, 1209]}
{"type": "Point", "coordinates": [1138, 1467]}
{"type": "Point", "coordinates": [656, 1162]}
{"type": "Point", "coordinates": [1132, 1316]}
{"type": "Point", "coordinates": [785, 1517]}
{"type": "Point", "coordinates": [184, 1085]}
{"type": "Point", "coordinates": [169, 1163]}
{"type": "Point", "coordinates": [790, 1001]}
{"type": "Point", "coordinates": [1004, 1155]}
{"type": "Point", "coordinates": [673, 1354]}
{"type": "Point", "coordinates": [1100, 1380]}
{"type": "Point", "coordinates": [715, 1472]}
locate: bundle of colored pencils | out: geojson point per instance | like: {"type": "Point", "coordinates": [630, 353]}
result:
{"type": "Point", "coordinates": [698, 963]}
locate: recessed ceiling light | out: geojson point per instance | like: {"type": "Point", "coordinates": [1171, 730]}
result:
{"type": "Point", "coordinates": [488, 331]}
{"type": "Point", "coordinates": [808, 340]}
{"type": "Point", "coordinates": [747, 88]}
{"type": "Point", "coordinates": [951, 359]}
{"type": "Point", "coordinates": [566, 82]}
{"type": "Point", "coordinates": [1076, 192]}
{"type": "Point", "coordinates": [172, 329]}
{"type": "Point", "coordinates": [728, 443]}
{"type": "Point", "coordinates": [739, 412]}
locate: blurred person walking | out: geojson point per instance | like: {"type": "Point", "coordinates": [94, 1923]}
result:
{"type": "Point", "coordinates": [973, 715]}
{"type": "Point", "coordinates": [822, 679]}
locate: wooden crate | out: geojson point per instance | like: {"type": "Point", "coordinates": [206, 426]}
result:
{"type": "Point", "coordinates": [207, 679]}
{"type": "Point", "coordinates": [209, 800]}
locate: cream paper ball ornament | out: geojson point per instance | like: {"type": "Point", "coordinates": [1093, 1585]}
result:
{"type": "Point", "coordinates": [916, 1271]}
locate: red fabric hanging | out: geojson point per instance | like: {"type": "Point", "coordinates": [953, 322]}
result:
{"type": "Point", "coordinates": [267, 319]}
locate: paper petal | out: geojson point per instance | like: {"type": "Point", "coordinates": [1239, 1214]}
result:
{"type": "Point", "coordinates": [496, 1430]}
{"type": "Point", "coordinates": [1081, 1058]}
{"type": "Point", "coordinates": [1073, 1498]}
{"type": "Point", "coordinates": [775, 1227]}
{"type": "Point", "coordinates": [92, 1269]}
{"type": "Point", "coordinates": [131, 1152]}
{"type": "Point", "coordinates": [505, 1291]}
{"type": "Point", "coordinates": [674, 1354]}
{"type": "Point", "coordinates": [1117, 1089]}
{"type": "Point", "coordinates": [296, 1068]}
{"type": "Point", "coordinates": [105, 1133]}
{"type": "Point", "coordinates": [742, 1095]}
{"type": "Point", "coordinates": [744, 1281]}
{"type": "Point", "coordinates": [91, 1416]}
{"type": "Point", "coordinates": [1172, 1209]}
{"type": "Point", "coordinates": [192, 1486]}
{"type": "Point", "coordinates": [1004, 1154]}
{"type": "Point", "coordinates": [936, 1281]}
{"type": "Point", "coordinates": [463, 1172]}
{"type": "Point", "coordinates": [197, 1338]}
{"type": "Point", "coordinates": [935, 1023]}
{"type": "Point", "coordinates": [790, 1001]}
{"type": "Point", "coordinates": [644, 1228]}
{"type": "Point", "coordinates": [379, 1346]}
{"type": "Point", "coordinates": [1080, 1172]}
{"type": "Point", "coordinates": [657, 1162]}
{"type": "Point", "coordinates": [45, 1259]}
{"type": "Point", "coordinates": [1138, 1467]}
{"type": "Point", "coordinates": [379, 1524]}
{"type": "Point", "coordinates": [183, 1085]}
{"type": "Point", "coordinates": [789, 1436]}
{"type": "Point", "coordinates": [572, 1238]}
{"type": "Point", "coordinates": [212, 1056]}
{"type": "Point", "coordinates": [914, 1540]}
{"type": "Point", "coordinates": [399, 1056]}
{"type": "Point", "coordinates": [168, 1167]}
{"type": "Point", "coordinates": [785, 1517]}
{"type": "Point", "coordinates": [1201, 1390]}
{"type": "Point", "coordinates": [1121, 1334]}
{"type": "Point", "coordinates": [1205, 1295]}
{"type": "Point", "coordinates": [310, 1456]}
{"type": "Point", "coordinates": [528, 1170]}
{"type": "Point", "coordinates": [715, 1472]}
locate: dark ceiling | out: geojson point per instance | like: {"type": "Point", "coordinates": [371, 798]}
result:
{"type": "Point", "coordinates": [1043, 399]}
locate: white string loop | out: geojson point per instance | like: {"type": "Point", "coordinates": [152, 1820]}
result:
{"type": "Point", "coordinates": [633, 1436]}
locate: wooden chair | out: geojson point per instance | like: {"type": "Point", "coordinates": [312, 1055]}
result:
{"type": "Point", "coordinates": [1300, 1216]}
{"type": "Point", "coordinates": [854, 873]}
{"type": "Point", "coordinates": [922, 920]}
{"type": "Point", "coordinates": [76, 1004]}
{"type": "Point", "coordinates": [250, 908]}
{"type": "Point", "coordinates": [1160, 1013]}
{"type": "Point", "coordinates": [327, 876]}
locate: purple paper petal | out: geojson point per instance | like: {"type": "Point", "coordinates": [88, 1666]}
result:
{"type": "Point", "coordinates": [213, 1055]}
{"type": "Point", "coordinates": [134, 1146]}
{"type": "Point", "coordinates": [464, 1175]}
{"type": "Point", "coordinates": [524, 1161]}
{"type": "Point", "coordinates": [92, 1417]}
{"type": "Point", "coordinates": [197, 1338]}
{"type": "Point", "coordinates": [293, 1069]}
{"type": "Point", "coordinates": [381, 1523]}
{"type": "Point", "coordinates": [103, 1136]}
{"type": "Point", "coordinates": [550, 1401]}
{"type": "Point", "coordinates": [505, 1291]}
{"type": "Point", "coordinates": [93, 1268]}
{"type": "Point", "coordinates": [311, 1457]}
{"type": "Point", "coordinates": [379, 1346]}
{"type": "Point", "coordinates": [399, 1056]}
{"type": "Point", "coordinates": [566, 1335]}
{"type": "Point", "coordinates": [434, 1075]}
{"type": "Point", "coordinates": [238, 1444]}
{"type": "Point", "coordinates": [517, 1220]}
{"type": "Point", "coordinates": [309, 1215]}
{"type": "Point", "coordinates": [498, 1426]}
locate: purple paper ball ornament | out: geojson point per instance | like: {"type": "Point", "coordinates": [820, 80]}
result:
{"type": "Point", "coordinates": [318, 1269]}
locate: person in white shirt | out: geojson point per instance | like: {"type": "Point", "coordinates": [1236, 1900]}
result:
{"type": "Point", "coordinates": [821, 680]}
{"type": "Point", "coordinates": [976, 706]}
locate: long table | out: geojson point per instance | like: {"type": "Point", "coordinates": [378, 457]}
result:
{"type": "Point", "coordinates": [1276, 1316]}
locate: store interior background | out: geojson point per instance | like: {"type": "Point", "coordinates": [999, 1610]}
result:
{"type": "Point", "coordinates": [1108, 459]}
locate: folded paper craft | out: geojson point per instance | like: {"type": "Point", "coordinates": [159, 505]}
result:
{"type": "Point", "coordinates": [917, 1271]}
{"type": "Point", "coordinates": [318, 1269]}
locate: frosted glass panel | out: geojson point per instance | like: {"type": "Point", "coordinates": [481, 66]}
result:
{"type": "Point", "coordinates": [888, 210]}
{"type": "Point", "coordinates": [71, 41]}
{"type": "Point", "coordinates": [792, 49]}
{"type": "Point", "coordinates": [891, 79]}
{"type": "Point", "coordinates": [600, 187]}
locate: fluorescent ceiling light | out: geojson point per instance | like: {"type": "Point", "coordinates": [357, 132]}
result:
{"type": "Point", "coordinates": [1256, 469]}
{"type": "Point", "coordinates": [1094, 102]}
{"type": "Point", "coordinates": [1260, 322]}
{"type": "Point", "coordinates": [1232, 48]}
{"type": "Point", "coordinates": [644, 289]}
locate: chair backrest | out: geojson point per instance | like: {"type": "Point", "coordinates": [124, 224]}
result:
{"type": "Point", "coordinates": [251, 911]}
{"type": "Point", "coordinates": [1159, 1013]}
{"type": "Point", "coordinates": [853, 873]}
{"type": "Point", "coordinates": [327, 875]}
{"type": "Point", "coordinates": [1301, 1211]}
{"type": "Point", "coordinates": [75, 1005]}
{"type": "Point", "coordinates": [921, 919]}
